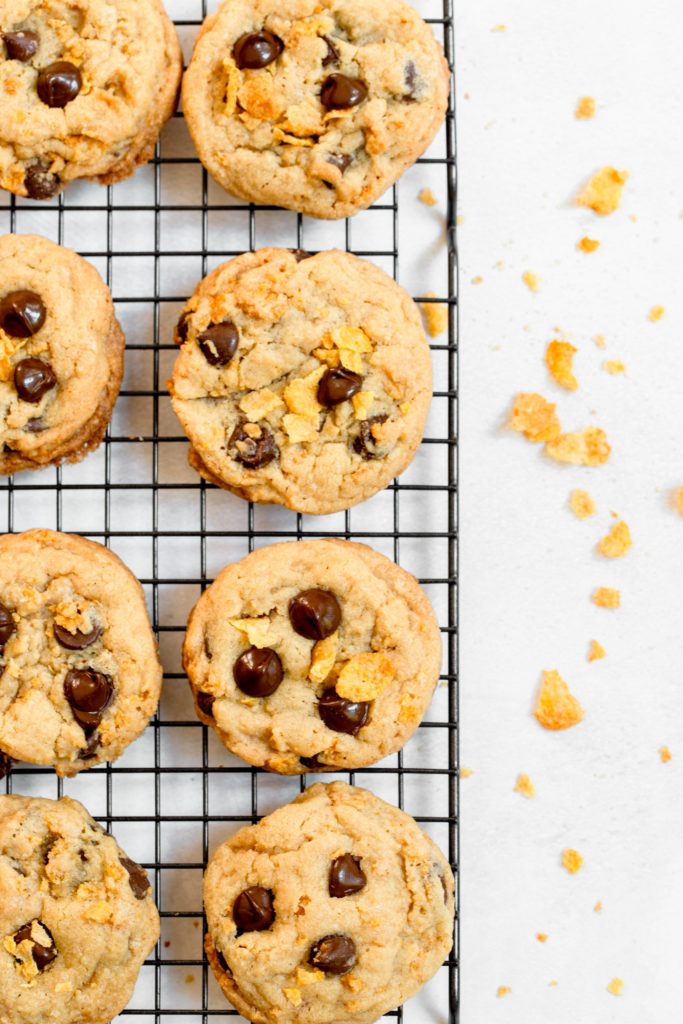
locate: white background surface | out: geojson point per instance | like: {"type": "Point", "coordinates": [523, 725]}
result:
{"type": "Point", "coordinates": [527, 565]}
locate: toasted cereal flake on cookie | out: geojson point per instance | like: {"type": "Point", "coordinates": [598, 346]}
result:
{"type": "Point", "coordinates": [572, 861]}
{"type": "Point", "coordinates": [299, 428]}
{"type": "Point", "coordinates": [531, 280]}
{"type": "Point", "coordinates": [427, 197]}
{"type": "Point", "coordinates": [301, 394]}
{"type": "Point", "coordinates": [656, 313]}
{"type": "Point", "coordinates": [524, 786]}
{"type": "Point", "coordinates": [585, 108]}
{"type": "Point", "coordinates": [603, 191]}
{"type": "Point", "coordinates": [365, 676]}
{"type": "Point", "coordinates": [257, 631]}
{"type": "Point", "coordinates": [294, 995]}
{"type": "Point", "coordinates": [556, 707]}
{"type": "Point", "coordinates": [617, 542]}
{"type": "Point", "coordinates": [362, 403]}
{"type": "Point", "coordinates": [256, 405]}
{"type": "Point", "coordinates": [615, 987]}
{"type": "Point", "coordinates": [535, 417]}
{"type": "Point", "coordinates": [503, 990]}
{"type": "Point", "coordinates": [587, 244]}
{"type": "Point", "coordinates": [607, 597]}
{"type": "Point", "coordinates": [596, 651]}
{"type": "Point", "coordinates": [614, 366]}
{"type": "Point", "coordinates": [435, 314]}
{"type": "Point", "coordinates": [581, 504]}
{"type": "Point", "coordinates": [323, 658]}
{"type": "Point", "coordinates": [587, 447]}
{"type": "Point", "coordinates": [559, 357]}
{"type": "Point", "coordinates": [664, 755]}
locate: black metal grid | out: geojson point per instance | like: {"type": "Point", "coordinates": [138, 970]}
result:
{"type": "Point", "coordinates": [132, 476]}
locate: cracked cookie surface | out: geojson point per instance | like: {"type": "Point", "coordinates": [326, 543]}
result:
{"type": "Point", "coordinates": [314, 655]}
{"type": "Point", "coordinates": [86, 86]}
{"type": "Point", "coordinates": [79, 671]}
{"type": "Point", "coordinates": [61, 354]}
{"type": "Point", "coordinates": [302, 380]}
{"type": "Point", "coordinates": [317, 106]}
{"type": "Point", "coordinates": [332, 910]}
{"type": "Point", "coordinates": [77, 917]}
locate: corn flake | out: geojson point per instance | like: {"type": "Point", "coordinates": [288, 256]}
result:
{"type": "Point", "coordinates": [614, 366]}
{"type": "Point", "coordinates": [617, 542]}
{"type": "Point", "coordinates": [556, 708]}
{"type": "Point", "coordinates": [572, 861]}
{"type": "Point", "coordinates": [294, 995]}
{"type": "Point", "coordinates": [299, 428]}
{"type": "Point", "coordinates": [603, 191]}
{"type": "Point", "coordinates": [435, 314]}
{"type": "Point", "coordinates": [8, 348]}
{"type": "Point", "coordinates": [323, 658]}
{"type": "Point", "coordinates": [585, 108]}
{"type": "Point", "coordinates": [532, 281]}
{"type": "Point", "coordinates": [301, 395]}
{"type": "Point", "coordinates": [559, 357]}
{"type": "Point", "coordinates": [607, 597]}
{"type": "Point", "coordinates": [587, 447]}
{"type": "Point", "coordinates": [233, 82]}
{"type": "Point", "coordinates": [365, 676]}
{"type": "Point", "coordinates": [427, 197]}
{"type": "Point", "coordinates": [351, 360]}
{"type": "Point", "coordinates": [588, 244]}
{"type": "Point", "coordinates": [541, 937]}
{"type": "Point", "coordinates": [615, 987]}
{"type": "Point", "coordinates": [362, 403]}
{"type": "Point", "coordinates": [257, 631]}
{"type": "Point", "coordinates": [524, 786]}
{"type": "Point", "coordinates": [535, 417]}
{"type": "Point", "coordinates": [596, 651]}
{"type": "Point", "coordinates": [258, 404]}
{"type": "Point", "coordinates": [503, 990]}
{"type": "Point", "coordinates": [352, 338]}
{"type": "Point", "coordinates": [581, 504]}
{"type": "Point", "coordinates": [664, 755]}
{"type": "Point", "coordinates": [656, 313]}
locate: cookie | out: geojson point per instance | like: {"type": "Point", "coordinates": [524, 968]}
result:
{"type": "Point", "coordinates": [302, 380]}
{"type": "Point", "coordinates": [79, 671]}
{"type": "Point", "coordinates": [315, 105]}
{"type": "Point", "coordinates": [61, 354]}
{"type": "Point", "coordinates": [86, 87]}
{"type": "Point", "coordinates": [317, 655]}
{"type": "Point", "coordinates": [336, 908]}
{"type": "Point", "coordinates": [77, 917]}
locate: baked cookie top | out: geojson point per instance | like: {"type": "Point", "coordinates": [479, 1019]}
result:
{"type": "Point", "coordinates": [61, 352]}
{"type": "Point", "coordinates": [314, 105]}
{"type": "Point", "coordinates": [313, 655]}
{"type": "Point", "coordinates": [79, 672]}
{"type": "Point", "coordinates": [302, 380]}
{"type": "Point", "coordinates": [335, 908]}
{"type": "Point", "coordinates": [77, 917]}
{"type": "Point", "coordinates": [86, 86]}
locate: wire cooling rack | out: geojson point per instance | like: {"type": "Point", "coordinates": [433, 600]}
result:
{"type": "Point", "coordinates": [176, 793]}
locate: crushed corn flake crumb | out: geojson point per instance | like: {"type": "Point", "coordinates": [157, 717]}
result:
{"type": "Point", "coordinates": [427, 197]}
{"type": "Point", "coordinates": [365, 676]}
{"type": "Point", "coordinates": [607, 597]}
{"type": "Point", "coordinates": [554, 983]}
{"type": "Point", "coordinates": [598, 907]}
{"type": "Point", "coordinates": [559, 357]}
{"type": "Point", "coordinates": [587, 244]}
{"type": "Point", "coordinates": [294, 995]}
{"type": "Point", "coordinates": [524, 786]}
{"type": "Point", "coordinates": [664, 755]}
{"type": "Point", "coordinates": [465, 773]}
{"type": "Point", "coordinates": [596, 651]}
{"type": "Point", "coordinates": [435, 314]}
{"type": "Point", "coordinates": [572, 861]}
{"type": "Point", "coordinates": [535, 417]}
{"type": "Point", "coordinates": [581, 504]}
{"type": "Point", "coordinates": [531, 280]}
{"type": "Point", "coordinates": [587, 447]}
{"type": "Point", "coordinates": [603, 191]}
{"type": "Point", "coordinates": [541, 936]}
{"type": "Point", "coordinates": [677, 500]}
{"type": "Point", "coordinates": [614, 366]}
{"type": "Point", "coordinates": [503, 990]}
{"type": "Point", "coordinates": [189, 978]}
{"type": "Point", "coordinates": [499, 28]}
{"type": "Point", "coordinates": [478, 279]}
{"type": "Point", "coordinates": [556, 707]}
{"type": "Point", "coordinates": [617, 542]}
{"type": "Point", "coordinates": [615, 987]}
{"type": "Point", "coordinates": [656, 313]}
{"type": "Point", "coordinates": [585, 108]}
{"type": "Point", "coordinates": [599, 340]}
{"type": "Point", "coordinates": [323, 658]}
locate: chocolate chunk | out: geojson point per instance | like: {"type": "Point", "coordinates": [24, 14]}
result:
{"type": "Point", "coordinates": [137, 877]}
{"type": "Point", "coordinates": [253, 909]}
{"type": "Point", "coordinates": [339, 92]}
{"type": "Point", "coordinates": [314, 614]}
{"type": "Point", "coordinates": [40, 182]}
{"type": "Point", "coordinates": [89, 694]}
{"type": "Point", "coordinates": [6, 763]}
{"type": "Point", "coordinates": [258, 673]}
{"type": "Point", "coordinates": [410, 78]}
{"type": "Point", "coordinates": [76, 641]}
{"type": "Point", "coordinates": [252, 452]}
{"type": "Point", "coordinates": [335, 954]}
{"type": "Point", "coordinates": [338, 385]}
{"type": "Point", "coordinates": [42, 955]}
{"type": "Point", "coordinates": [342, 715]}
{"type": "Point", "coordinates": [365, 444]}
{"type": "Point", "coordinates": [36, 426]}
{"type": "Point", "coordinates": [300, 255]}
{"type": "Point", "coordinates": [33, 378]}
{"type": "Point", "coordinates": [346, 876]}
{"type": "Point", "coordinates": [340, 160]}
{"type": "Point", "coordinates": [89, 751]}
{"type": "Point", "coordinates": [205, 703]}
{"type": "Point", "coordinates": [183, 327]}
{"type": "Point", "coordinates": [332, 55]}
{"type": "Point", "coordinates": [59, 83]}
{"type": "Point", "coordinates": [257, 49]}
{"type": "Point", "coordinates": [219, 343]}
{"type": "Point", "coordinates": [22, 314]}
{"type": "Point", "coordinates": [313, 764]}
{"type": "Point", "coordinates": [7, 624]}
{"type": "Point", "coordinates": [21, 45]}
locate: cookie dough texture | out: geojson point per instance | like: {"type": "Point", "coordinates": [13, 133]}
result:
{"type": "Point", "coordinates": [80, 340]}
{"type": "Point", "coordinates": [61, 875]}
{"type": "Point", "coordinates": [265, 135]}
{"type": "Point", "coordinates": [296, 318]}
{"type": "Point", "coordinates": [401, 922]}
{"type": "Point", "coordinates": [130, 62]}
{"type": "Point", "coordinates": [384, 613]}
{"type": "Point", "coordinates": [50, 579]}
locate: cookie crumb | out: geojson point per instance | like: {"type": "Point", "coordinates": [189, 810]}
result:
{"type": "Point", "coordinates": [599, 340]}
{"type": "Point", "coordinates": [499, 28]}
{"type": "Point", "coordinates": [427, 197]}
{"type": "Point", "coordinates": [656, 313]}
{"type": "Point", "coordinates": [478, 279]}
{"type": "Point", "coordinates": [524, 786]}
{"type": "Point", "coordinates": [614, 366]}
{"type": "Point", "coordinates": [585, 108]}
{"type": "Point", "coordinates": [607, 597]}
{"type": "Point", "coordinates": [615, 987]}
{"type": "Point", "coordinates": [465, 773]}
{"type": "Point", "coordinates": [559, 357]}
{"type": "Point", "coordinates": [587, 244]}
{"type": "Point", "coordinates": [597, 909]}
{"type": "Point", "coordinates": [677, 499]}
{"type": "Point", "coordinates": [602, 193]}
{"type": "Point", "coordinates": [502, 991]}
{"type": "Point", "coordinates": [167, 943]}
{"type": "Point", "coordinates": [553, 984]}
{"type": "Point", "coordinates": [532, 281]}
{"type": "Point", "coordinates": [556, 707]}
{"type": "Point", "coordinates": [435, 314]}
{"type": "Point", "coordinates": [617, 542]}
{"type": "Point", "coordinates": [596, 651]}
{"type": "Point", "coordinates": [535, 417]}
{"type": "Point", "coordinates": [541, 937]}
{"type": "Point", "coordinates": [581, 504]}
{"type": "Point", "coordinates": [664, 755]}
{"type": "Point", "coordinates": [189, 978]}
{"type": "Point", "coordinates": [587, 447]}
{"type": "Point", "coordinates": [572, 861]}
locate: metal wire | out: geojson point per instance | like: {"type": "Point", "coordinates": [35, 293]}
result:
{"type": "Point", "coordinates": [131, 468]}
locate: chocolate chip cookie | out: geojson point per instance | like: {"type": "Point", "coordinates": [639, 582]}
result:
{"type": "Point", "coordinates": [77, 917]}
{"type": "Point", "coordinates": [79, 672]}
{"type": "Point", "coordinates": [302, 380]}
{"type": "Point", "coordinates": [86, 86]}
{"type": "Point", "coordinates": [61, 354]}
{"type": "Point", "coordinates": [316, 105]}
{"type": "Point", "coordinates": [317, 655]}
{"type": "Point", "coordinates": [335, 908]}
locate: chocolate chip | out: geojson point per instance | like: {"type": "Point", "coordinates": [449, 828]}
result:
{"type": "Point", "coordinates": [89, 751]}
{"type": "Point", "coordinates": [365, 444]}
{"type": "Point", "coordinates": [300, 255]}
{"type": "Point", "coordinates": [332, 55]}
{"type": "Point", "coordinates": [257, 49]}
{"type": "Point", "coordinates": [36, 426]}
{"type": "Point", "coordinates": [33, 378]}
{"type": "Point", "coordinates": [40, 182]}
{"type": "Point", "coordinates": [7, 624]}
{"type": "Point", "coordinates": [258, 673]}
{"type": "Point", "coordinates": [252, 452]}
{"type": "Point", "coordinates": [89, 694]}
{"type": "Point", "coordinates": [253, 909]}
{"type": "Point", "coordinates": [22, 314]}
{"type": "Point", "coordinates": [223, 962]}
{"type": "Point", "coordinates": [313, 764]}
{"type": "Point", "coordinates": [21, 45]}
{"type": "Point", "coordinates": [342, 715]}
{"type": "Point", "coordinates": [183, 327]}
{"type": "Point", "coordinates": [76, 641]}
{"type": "Point", "coordinates": [314, 614]}
{"type": "Point", "coordinates": [410, 78]}
{"type": "Point", "coordinates": [338, 385]}
{"type": "Point", "coordinates": [339, 92]}
{"type": "Point", "coordinates": [340, 160]}
{"type": "Point", "coordinates": [219, 343]}
{"type": "Point", "coordinates": [137, 877]}
{"type": "Point", "coordinates": [6, 763]}
{"type": "Point", "coordinates": [346, 876]}
{"type": "Point", "coordinates": [59, 83]}
{"type": "Point", "coordinates": [334, 954]}
{"type": "Point", "coordinates": [205, 703]}
{"type": "Point", "coordinates": [42, 955]}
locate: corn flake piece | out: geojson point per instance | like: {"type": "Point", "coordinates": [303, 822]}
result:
{"type": "Point", "coordinates": [259, 404]}
{"type": "Point", "coordinates": [656, 313]}
{"type": "Point", "coordinates": [294, 995]}
{"type": "Point", "coordinates": [535, 417]}
{"type": "Point", "coordinates": [587, 447]}
{"type": "Point", "coordinates": [300, 429]}
{"type": "Point", "coordinates": [615, 987]}
{"type": "Point", "coordinates": [614, 366]}
{"type": "Point", "coordinates": [466, 773]}
{"type": "Point", "coordinates": [503, 990]}
{"type": "Point", "coordinates": [435, 314]}
{"type": "Point", "coordinates": [301, 395]}
{"type": "Point", "coordinates": [329, 356]}
{"type": "Point", "coordinates": [63, 986]}
{"type": "Point", "coordinates": [581, 504]}
{"type": "Point", "coordinates": [599, 340]}
{"type": "Point", "coordinates": [323, 658]}
{"type": "Point", "coordinates": [308, 976]}
{"type": "Point", "coordinates": [597, 909]}
{"type": "Point", "coordinates": [257, 631]}
{"type": "Point", "coordinates": [531, 280]}
{"type": "Point", "coordinates": [362, 403]}
{"type": "Point", "coordinates": [352, 338]}
{"type": "Point", "coordinates": [427, 197]}
{"type": "Point", "coordinates": [351, 982]}
{"type": "Point", "coordinates": [664, 755]}
{"type": "Point", "coordinates": [587, 244]}
{"type": "Point", "coordinates": [556, 708]}
{"type": "Point", "coordinates": [8, 348]}
{"type": "Point", "coordinates": [572, 861]}
{"type": "Point", "coordinates": [351, 360]}
{"type": "Point", "coordinates": [607, 597]}
{"type": "Point", "coordinates": [677, 499]}
{"type": "Point", "coordinates": [233, 82]}
{"type": "Point", "coordinates": [541, 937]}
{"type": "Point", "coordinates": [524, 786]}
{"type": "Point", "coordinates": [100, 912]}
{"type": "Point", "coordinates": [596, 651]}
{"type": "Point", "coordinates": [365, 676]}
{"type": "Point", "coordinates": [585, 108]}
{"type": "Point", "coordinates": [617, 542]}
{"type": "Point", "coordinates": [559, 357]}
{"type": "Point", "coordinates": [285, 139]}
{"type": "Point", "coordinates": [602, 192]}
